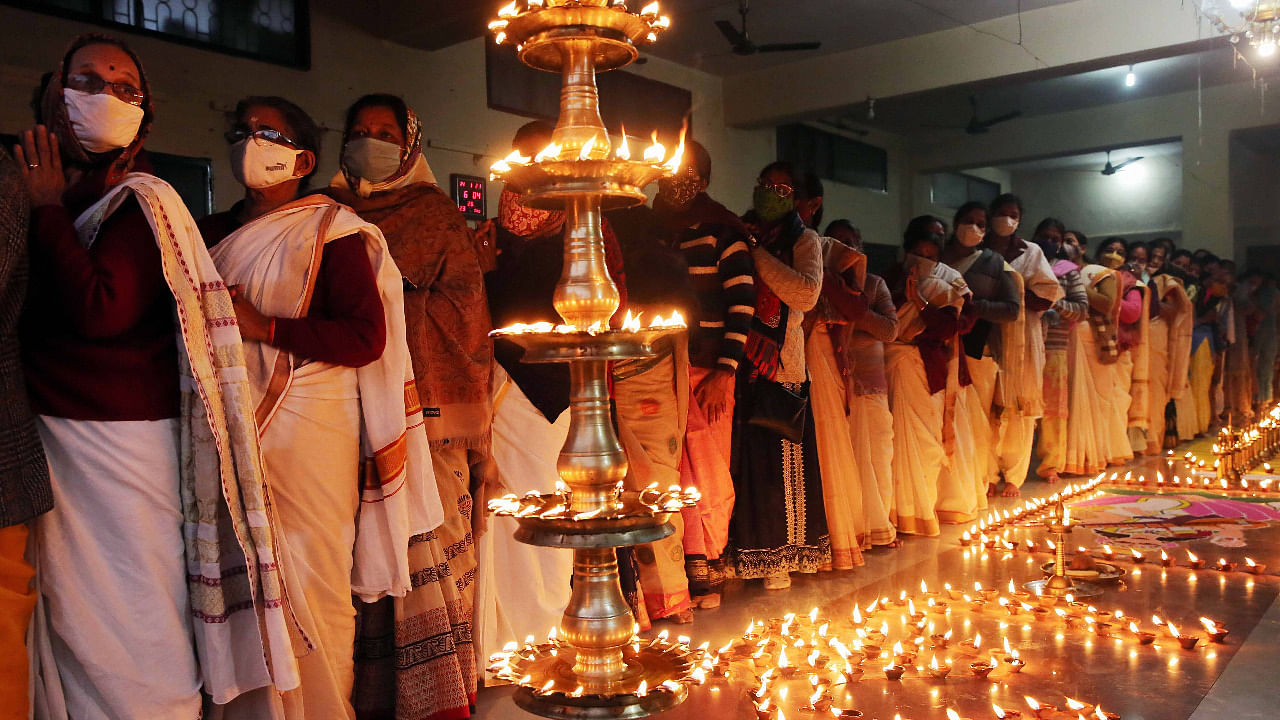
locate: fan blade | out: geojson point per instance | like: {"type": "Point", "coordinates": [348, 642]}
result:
{"type": "Point", "coordinates": [731, 33]}
{"type": "Point", "coordinates": [789, 47]}
{"type": "Point", "coordinates": [1128, 162]}
{"type": "Point", "coordinates": [1000, 119]}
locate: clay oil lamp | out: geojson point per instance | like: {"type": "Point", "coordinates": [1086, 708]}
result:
{"type": "Point", "coordinates": [966, 539]}
{"type": "Point", "coordinates": [972, 644]}
{"type": "Point", "coordinates": [1137, 557]}
{"type": "Point", "coordinates": [953, 715]}
{"type": "Point", "coordinates": [1108, 554]}
{"type": "Point", "coordinates": [940, 640]}
{"type": "Point", "coordinates": [851, 673]}
{"type": "Point", "coordinates": [1144, 637]}
{"type": "Point", "coordinates": [987, 594]}
{"type": "Point", "coordinates": [1165, 560]}
{"type": "Point", "coordinates": [766, 710]}
{"type": "Point", "coordinates": [1223, 566]}
{"type": "Point", "coordinates": [1039, 709]}
{"type": "Point", "coordinates": [1015, 663]}
{"type": "Point", "coordinates": [1188, 642]}
{"type": "Point", "coordinates": [1250, 566]}
{"type": "Point", "coordinates": [1217, 633]}
{"type": "Point", "coordinates": [981, 669]}
{"type": "Point", "coordinates": [846, 713]}
{"type": "Point", "coordinates": [1194, 561]}
{"type": "Point", "coordinates": [1004, 714]}
{"type": "Point", "coordinates": [893, 671]}
{"type": "Point", "coordinates": [819, 701]}
{"type": "Point", "coordinates": [939, 671]}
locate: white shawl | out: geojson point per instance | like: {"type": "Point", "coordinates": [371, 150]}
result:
{"type": "Point", "coordinates": [276, 257]}
{"type": "Point", "coordinates": [221, 481]}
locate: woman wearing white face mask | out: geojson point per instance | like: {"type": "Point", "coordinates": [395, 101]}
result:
{"type": "Point", "coordinates": [921, 365]}
{"type": "Point", "coordinates": [385, 178]}
{"type": "Point", "coordinates": [1050, 235]}
{"type": "Point", "coordinates": [996, 302]}
{"type": "Point", "coordinates": [1022, 355]}
{"type": "Point", "coordinates": [132, 557]}
{"type": "Point", "coordinates": [320, 303]}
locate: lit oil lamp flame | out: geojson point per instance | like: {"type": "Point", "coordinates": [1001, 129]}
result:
{"type": "Point", "coordinates": [1173, 630]}
{"type": "Point", "coordinates": [623, 151]}
{"type": "Point", "coordinates": [1031, 703]}
{"type": "Point", "coordinates": [508, 11]}
{"type": "Point", "coordinates": [1075, 704]}
{"type": "Point", "coordinates": [1164, 556]}
{"type": "Point", "coordinates": [550, 152]}
{"type": "Point", "coordinates": [1192, 557]}
{"type": "Point", "coordinates": [1097, 711]}
{"type": "Point", "coordinates": [587, 147]}
{"type": "Point", "coordinates": [999, 711]}
{"type": "Point", "coordinates": [1209, 625]}
{"type": "Point", "coordinates": [655, 152]}
{"type": "Point", "coordinates": [952, 714]}
{"type": "Point", "coordinates": [1249, 561]}
{"type": "Point", "coordinates": [650, 10]}
{"type": "Point", "coordinates": [643, 689]}
{"type": "Point", "coordinates": [673, 164]}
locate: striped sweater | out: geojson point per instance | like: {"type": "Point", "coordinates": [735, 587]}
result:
{"type": "Point", "coordinates": [721, 272]}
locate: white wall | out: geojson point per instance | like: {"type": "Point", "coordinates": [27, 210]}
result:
{"type": "Point", "coordinates": [1142, 199]}
{"type": "Point", "coordinates": [1204, 128]}
{"type": "Point", "coordinates": [195, 89]}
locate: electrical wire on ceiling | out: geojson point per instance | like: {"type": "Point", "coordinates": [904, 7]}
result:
{"type": "Point", "coordinates": [980, 31]}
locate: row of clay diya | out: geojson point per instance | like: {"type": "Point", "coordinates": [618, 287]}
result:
{"type": "Point", "coordinates": [1027, 511]}
{"type": "Point", "coordinates": [1083, 558]}
{"type": "Point", "coordinates": [765, 645]}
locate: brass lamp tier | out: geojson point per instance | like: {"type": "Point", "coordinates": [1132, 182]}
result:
{"type": "Point", "coordinates": [557, 347]}
{"type": "Point", "coordinates": [618, 183]}
{"type": "Point", "coordinates": [633, 518]}
{"type": "Point", "coordinates": [540, 34]}
{"type": "Point", "coordinates": [571, 695]}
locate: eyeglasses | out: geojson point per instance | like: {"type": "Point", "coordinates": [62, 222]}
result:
{"type": "Point", "coordinates": [270, 135]}
{"type": "Point", "coordinates": [782, 189]}
{"type": "Point", "coordinates": [95, 85]}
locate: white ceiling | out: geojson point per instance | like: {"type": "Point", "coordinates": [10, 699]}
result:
{"type": "Point", "coordinates": [840, 25]}
{"type": "Point", "coordinates": [912, 115]}
{"type": "Point", "coordinates": [693, 39]}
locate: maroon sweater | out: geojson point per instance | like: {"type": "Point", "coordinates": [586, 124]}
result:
{"type": "Point", "coordinates": [98, 334]}
{"type": "Point", "coordinates": [344, 324]}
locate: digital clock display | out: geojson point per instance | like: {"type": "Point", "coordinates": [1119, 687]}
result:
{"type": "Point", "coordinates": [468, 192]}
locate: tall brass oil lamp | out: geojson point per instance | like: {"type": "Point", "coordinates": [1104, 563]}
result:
{"type": "Point", "coordinates": [595, 665]}
{"type": "Point", "coordinates": [1059, 584]}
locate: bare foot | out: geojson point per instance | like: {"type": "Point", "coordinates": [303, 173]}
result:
{"type": "Point", "coordinates": [1011, 490]}
{"type": "Point", "coordinates": [1052, 477]}
{"type": "Point", "coordinates": [991, 490]}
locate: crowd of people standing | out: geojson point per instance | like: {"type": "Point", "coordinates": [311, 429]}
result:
{"type": "Point", "coordinates": [247, 459]}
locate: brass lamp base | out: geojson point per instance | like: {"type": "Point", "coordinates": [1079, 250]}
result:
{"type": "Point", "coordinates": [1074, 589]}
{"type": "Point", "coordinates": [582, 698]}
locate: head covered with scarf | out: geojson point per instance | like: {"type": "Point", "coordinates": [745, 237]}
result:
{"type": "Point", "coordinates": [413, 167]}
{"type": "Point", "coordinates": [52, 112]}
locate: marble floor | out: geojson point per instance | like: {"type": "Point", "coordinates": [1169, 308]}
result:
{"type": "Point", "coordinates": [1221, 681]}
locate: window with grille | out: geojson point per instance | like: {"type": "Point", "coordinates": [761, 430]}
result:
{"type": "Point", "coordinates": [275, 31]}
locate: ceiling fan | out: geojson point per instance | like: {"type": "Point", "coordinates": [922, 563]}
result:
{"type": "Point", "coordinates": [978, 126]}
{"type": "Point", "coordinates": [741, 44]}
{"type": "Point", "coordinates": [1110, 169]}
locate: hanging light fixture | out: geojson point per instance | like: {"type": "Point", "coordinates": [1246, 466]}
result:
{"type": "Point", "coordinates": [1253, 23]}
{"type": "Point", "coordinates": [1131, 78]}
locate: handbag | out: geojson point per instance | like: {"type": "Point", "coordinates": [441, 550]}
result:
{"type": "Point", "coordinates": [777, 408]}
